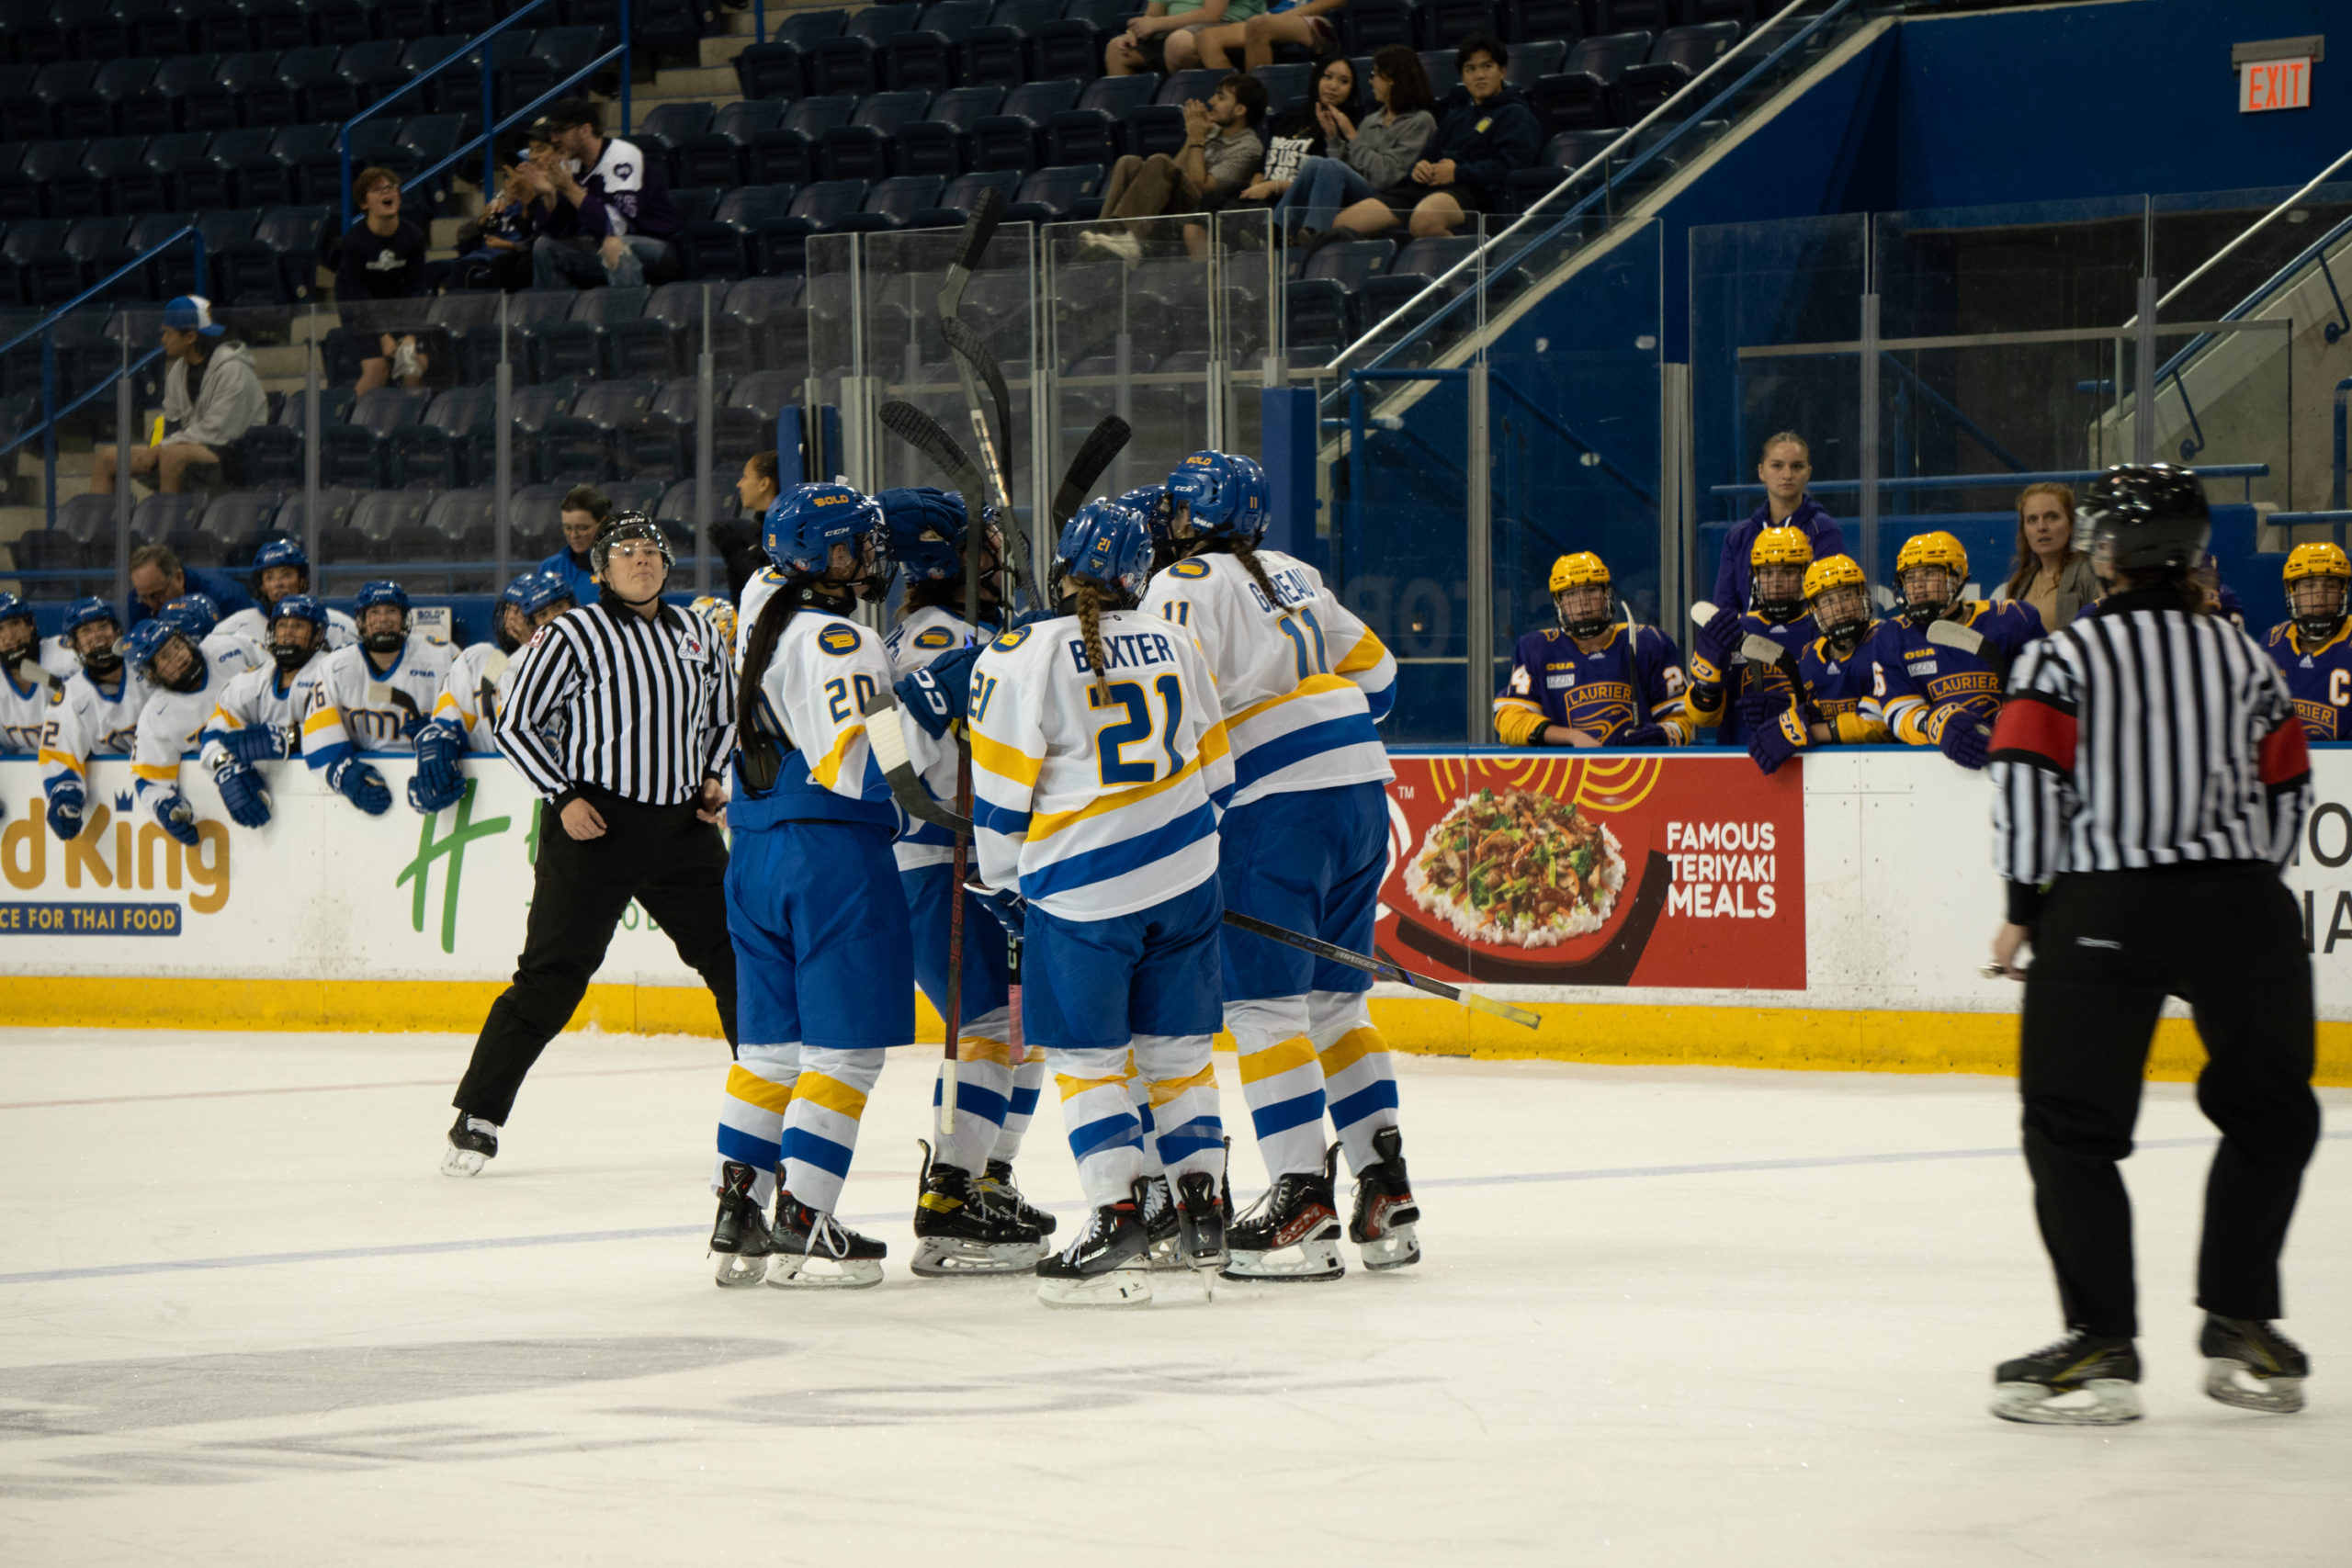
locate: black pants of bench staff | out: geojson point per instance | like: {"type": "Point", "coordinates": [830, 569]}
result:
{"type": "Point", "coordinates": [671, 861]}
{"type": "Point", "coordinates": [2227, 939]}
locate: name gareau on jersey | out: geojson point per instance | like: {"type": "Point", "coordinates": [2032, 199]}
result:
{"type": "Point", "coordinates": [1290, 583]}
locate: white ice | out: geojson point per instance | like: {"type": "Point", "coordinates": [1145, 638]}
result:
{"type": "Point", "coordinates": [1689, 1316]}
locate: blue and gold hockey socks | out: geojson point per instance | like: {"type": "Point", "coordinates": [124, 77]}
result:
{"type": "Point", "coordinates": [820, 1127]}
{"type": "Point", "coordinates": [984, 1088]}
{"type": "Point", "coordinates": [751, 1112]}
{"type": "Point", "coordinates": [1282, 1080]}
{"type": "Point", "coordinates": [1358, 1075]}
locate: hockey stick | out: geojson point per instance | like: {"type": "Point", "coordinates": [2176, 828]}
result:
{"type": "Point", "coordinates": [1763, 650]}
{"type": "Point", "coordinates": [978, 230]}
{"type": "Point", "coordinates": [885, 733]}
{"type": "Point", "coordinates": [926, 435]}
{"type": "Point", "coordinates": [972, 362]}
{"type": "Point", "coordinates": [1104, 444]}
{"type": "Point", "coordinates": [1968, 639]}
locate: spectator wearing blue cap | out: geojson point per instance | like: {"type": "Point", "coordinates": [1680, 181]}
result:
{"type": "Point", "coordinates": [212, 396]}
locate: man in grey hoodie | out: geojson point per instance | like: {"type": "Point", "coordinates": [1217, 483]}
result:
{"type": "Point", "coordinates": [212, 396]}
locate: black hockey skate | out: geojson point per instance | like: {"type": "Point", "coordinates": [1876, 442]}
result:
{"type": "Point", "coordinates": [740, 1236]}
{"type": "Point", "coordinates": [473, 1143]}
{"type": "Point", "coordinates": [960, 1230]}
{"type": "Point", "coordinates": [998, 1185]}
{"type": "Point", "coordinates": [2102, 1368]}
{"type": "Point", "coordinates": [1386, 1216]}
{"type": "Point", "coordinates": [1159, 1222]}
{"type": "Point", "coordinates": [1292, 1232]}
{"type": "Point", "coordinates": [1199, 1225]}
{"type": "Point", "coordinates": [1105, 1266]}
{"type": "Point", "coordinates": [2250, 1364]}
{"type": "Point", "coordinates": [812, 1251]}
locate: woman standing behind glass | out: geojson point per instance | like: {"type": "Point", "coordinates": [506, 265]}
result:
{"type": "Point", "coordinates": [2049, 573]}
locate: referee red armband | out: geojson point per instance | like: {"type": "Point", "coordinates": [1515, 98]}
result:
{"type": "Point", "coordinates": [2034, 728]}
{"type": "Point", "coordinates": [2284, 756]}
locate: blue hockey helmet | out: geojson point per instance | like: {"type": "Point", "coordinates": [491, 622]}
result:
{"type": "Point", "coordinates": [195, 614]}
{"type": "Point", "coordinates": [925, 531]}
{"type": "Point", "coordinates": [510, 598]}
{"type": "Point", "coordinates": [298, 607]}
{"type": "Point", "coordinates": [15, 609]}
{"type": "Point", "coordinates": [808, 521]}
{"type": "Point", "coordinates": [149, 638]}
{"type": "Point", "coordinates": [102, 660]}
{"type": "Point", "coordinates": [381, 592]}
{"type": "Point", "coordinates": [535, 590]}
{"type": "Point", "coordinates": [1223, 492]}
{"type": "Point", "coordinates": [281, 552]}
{"type": "Point", "coordinates": [1109, 546]}
{"type": "Point", "coordinates": [88, 612]}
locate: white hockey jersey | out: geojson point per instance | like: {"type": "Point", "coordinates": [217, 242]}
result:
{"type": "Point", "coordinates": [237, 654]}
{"type": "Point", "coordinates": [813, 694]}
{"type": "Point", "coordinates": [265, 697]}
{"type": "Point", "coordinates": [87, 720]}
{"type": "Point", "coordinates": [254, 627]}
{"type": "Point", "coordinates": [920, 638]}
{"type": "Point", "coordinates": [168, 726]}
{"type": "Point", "coordinates": [27, 695]}
{"type": "Point", "coordinates": [1094, 808]}
{"type": "Point", "coordinates": [1303, 682]}
{"type": "Point", "coordinates": [357, 707]}
{"type": "Point", "coordinates": [475, 692]}
{"type": "Point", "coordinates": [58, 659]}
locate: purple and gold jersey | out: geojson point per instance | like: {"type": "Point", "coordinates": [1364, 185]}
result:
{"type": "Point", "coordinates": [1634, 678]}
{"type": "Point", "coordinates": [1941, 677]}
{"type": "Point", "coordinates": [1857, 696]}
{"type": "Point", "coordinates": [2319, 679]}
{"type": "Point", "coordinates": [1715, 694]}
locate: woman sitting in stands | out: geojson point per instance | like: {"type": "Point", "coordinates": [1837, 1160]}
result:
{"type": "Point", "coordinates": [1362, 161]}
{"type": "Point", "coordinates": [1303, 134]}
{"type": "Point", "coordinates": [2049, 573]}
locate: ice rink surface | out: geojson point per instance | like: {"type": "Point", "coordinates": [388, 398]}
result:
{"type": "Point", "coordinates": [1682, 1316]}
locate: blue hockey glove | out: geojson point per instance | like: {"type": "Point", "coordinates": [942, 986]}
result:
{"type": "Point", "coordinates": [360, 784]}
{"type": "Point", "coordinates": [1643, 735]}
{"type": "Point", "coordinates": [921, 699]}
{"type": "Point", "coordinates": [178, 817]}
{"type": "Point", "coordinates": [1719, 638]}
{"type": "Point", "coordinates": [1011, 909]}
{"type": "Point", "coordinates": [65, 801]}
{"type": "Point", "coordinates": [438, 784]}
{"type": "Point", "coordinates": [242, 792]}
{"type": "Point", "coordinates": [1962, 736]}
{"type": "Point", "coordinates": [254, 743]}
{"type": "Point", "coordinates": [1768, 721]}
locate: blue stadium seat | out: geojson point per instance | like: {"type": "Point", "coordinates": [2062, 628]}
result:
{"type": "Point", "coordinates": [375, 69]}
{"type": "Point", "coordinates": [455, 444]}
{"type": "Point", "coordinates": [1580, 96]}
{"type": "Point", "coordinates": [893, 204]}
{"type": "Point", "coordinates": [925, 57]}
{"type": "Point", "coordinates": [963, 194]}
{"type": "Point", "coordinates": [1321, 304]}
{"type": "Point", "coordinates": [1012, 138]}
{"type": "Point", "coordinates": [783, 246]}
{"type": "Point", "coordinates": [1526, 21]}
{"type": "Point", "coordinates": [357, 454]}
{"type": "Point", "coordinates": [1055, 195]}
{"type": "Point", "coordinates": [262, 98]}
{"type": "Point", "coordinates": [35, 249]}
{"type": "Point", "coordinates": [1366, 26]}
{"type": "Point", "coordinates": [1070, 48]}
{"type": "Point", "coordinates": [133, 107]}
{"type": "Point", "coordinates": [1680, 54]}
{"type": "Point", "coordinates": [68, 188]}
{"type": "Point", "coordinates": [1631, 16]}
{"type": "Point", "coordinates": [119, 166]}
{"type": "Point", "coordinates": [788, 154]}
{"type": "Point", "coordinates": [1093, 132]}
{"type": "Point", "coordinates": [1442, 24]}
{"type": "Point", "coordinates": [861, 150]}
{"type": "Point", "coordinates": [774, 327]}
{"type": "Point", "coordinates": [1532, 61]}
{"type": "Point", "coordinates": [938, 143]}
{"type": "Point", "coordinates": [340, 22]}
{"type": "Point", "coordinates": [998, 54]}
{"type": "Point", "coordinates": [321, 92]}
{"type": "Point", "coordinates": [668, 126]}
{"type": "Point", "coordinates": [715, 157]}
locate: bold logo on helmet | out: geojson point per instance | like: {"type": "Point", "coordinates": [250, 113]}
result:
{"type": "Point", "coordinates": [1189, 569]}
{"type": "Point", "coordinates": [1010, 640]}
{"type": "Point", "coordinates": [831, 499]}
{"type": "Point", "coordinates": [937, 636]}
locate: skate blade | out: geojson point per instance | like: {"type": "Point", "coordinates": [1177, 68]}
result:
{"type": "Point", "coordinates": [2113, 1403]}
{"type": "Point", "coordinates": [801, 1271]}
{"type": "Point", "coordinates": [1306, 1260]}
{"type": "Point", "coordinates": [2278, 1396]}
{"type": "Point", "coordinates": [938, 1259]}
{"type": "Point", "coordinates": [1400, 1249]}
{"type": "Point", "coordinates": [734, 1270]}
{"type": "Point", "coordinates": [1129, 1287]}
{"type": "Point", "coordinates": [1164, 1255]}
{"type": "Point", "coordinates": [456, 1161]}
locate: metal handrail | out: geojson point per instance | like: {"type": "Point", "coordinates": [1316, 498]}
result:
{"type": "Point", "coordinates": [117, 275]}
{"type": "Point", "coordinates": [524, 113]}
{"type": "Point", "coordinates": [1992, 482]}
{"type": "Point", "coordinates": [1608, 180]}
{"type": "Point", "coordinates": [2249, 232]}
{"type": "Point", "coordinates": [2316, 249]}
{"type": "Point", "coordinates": [478, 45]}
{"type": "Point", "coordinates": [103, 384]}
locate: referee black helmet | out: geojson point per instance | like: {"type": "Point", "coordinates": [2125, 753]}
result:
{"type": "Point", "coordinates": [2145, 517]}
{"type": "Point", "coordinates": [623, 526]}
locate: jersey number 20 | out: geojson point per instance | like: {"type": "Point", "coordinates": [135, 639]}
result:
{"type": "Point", "coordinates": [1135, 729]}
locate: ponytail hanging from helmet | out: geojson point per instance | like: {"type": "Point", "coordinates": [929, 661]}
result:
{"type": "Point", "coordinates": [761, 757]}
{"type": "Point", "coordinates": [1089, 628]}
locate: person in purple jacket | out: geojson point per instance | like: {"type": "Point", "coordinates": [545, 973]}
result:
{"type": "Point", "coordinates": [625, 218]}
{"type": "Point", "coordinates": [1786, 466]}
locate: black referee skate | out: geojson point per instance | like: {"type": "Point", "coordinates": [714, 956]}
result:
{"type": "Point", "coordinates": [1386, 1216]}
{"type": "Point", "coordinates": [1105, 1266]}
{"type": "Point", "coordinates": [740, 1235]}
{"type": "Point", "coordinates": [2104, 1369]}
{"type": "Point", "coordinates": [473, 1143]}
{"type": "Point", "coordinates": [2250, 1364]}
{"type": "Point", "coordinates": [998, 1185]}
{"type": "Point", "coordinates": [960, 1230]}
{"type": "Point", "coordinates": [1292, 1232]}
{"type": "Point", "coordinates": [808, 1250]}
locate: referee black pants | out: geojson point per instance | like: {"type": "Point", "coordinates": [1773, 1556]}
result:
{"type": "Point", "coordinates": [2109, 947]}
{"type": "Point", "coordinates": [671, 861]}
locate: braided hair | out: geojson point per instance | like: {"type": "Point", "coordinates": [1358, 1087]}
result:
{"type": "Point", "coordinates": [1089, 628]}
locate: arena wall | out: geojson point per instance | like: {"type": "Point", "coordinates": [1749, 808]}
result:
{"type": "Point", "coordinates": [1860, 951]}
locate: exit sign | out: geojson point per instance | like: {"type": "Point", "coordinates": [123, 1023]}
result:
{"type": "Point", "coordinates": [2276, 73]}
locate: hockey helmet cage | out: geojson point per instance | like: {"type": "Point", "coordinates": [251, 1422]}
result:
{"type": "Point", "coordinates": [149, 638]}
{"type": "Point", "coordinates": [2145, 517]}
{"type": "Point", "coordinates": [2318, 615]}
{"type": "Point", "coordinates": [625, 525]}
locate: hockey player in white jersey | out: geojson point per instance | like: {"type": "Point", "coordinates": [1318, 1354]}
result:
{"type": "Point", "coordinates": [1099, 767]}
{"type": "Point", "coordinates": [97, 711]}
{"type": "Point", "coordinates": [281, 567]}
{"type": "Point", "coordinates": [824, 979]}
{"type": "Point", "coordinates": [259, 716]}
{"type": "Point", "coordinates": [465, 715]}
{"type": "Point", "coordinates": [197, 615]}
{"type": "Point", "coordinates": [187, 683]}
{"type": "Point", "coordinates": [28, 691]}
{"type": "Point", "coordinates": [969, 1215]}
{"type": "Point", "coordinates": [373, 697]}
{"type": "Point", "coordinates": [1305, 848]}
{"type": "Point", "coordinates": [721, 616]}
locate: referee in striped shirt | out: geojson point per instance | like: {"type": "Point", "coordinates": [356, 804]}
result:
{"type": "Point", "coordinates": [2149, 780]}
{"type": "Point", "coordinates": [639, 699]}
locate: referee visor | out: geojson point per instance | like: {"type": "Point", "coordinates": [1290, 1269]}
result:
{"type": "Point", "coordinates": [623, 529]}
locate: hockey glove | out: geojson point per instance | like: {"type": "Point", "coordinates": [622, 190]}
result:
{"type": "Point", "coordinates": [923, 700]}
{"type": "Point", "coordinates": [1644, 735]}
{"type": "Point", "coordinates": [242, 792]}
{"type": "Point", "coordinates": [360, 784]}
{"type": "Point", "coordinates": [1962, 736]}
{"type": "Point", "coordinates": [254, 743]}
{"type": "Point", "coordinates": [178, 817]}
{"type": "Point", "coordinates": [438, 784]}
{"type": "Point", "coordinates": [1011, 909]}
{"type": "Point", "coordinates": [1718, 640]}
{"type": "Point", "coordinates": [65, 801]}
{"type": "Point", "coordinates": [1775, 733]}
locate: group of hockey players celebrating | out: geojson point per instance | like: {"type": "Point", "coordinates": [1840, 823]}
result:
{"type": "Point", "coordinates": [1176, 702]}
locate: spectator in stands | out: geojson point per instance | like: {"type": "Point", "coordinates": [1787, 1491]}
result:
{"type": "Point", "coordinates": [1363, 160]}
{"type": "Point", "coordinates": [2049, 573]}
{"type": "Point", "coordinates": [584, 510]}
{"type": "Point", "coordinates": [1303, 132]}
{"type": "Point", "coordinates": [1304, 24]}
{"type": "Point", "coordinates": [621, 205]}
{"type": "Point", "coordinates": [494, 246]}
{"type": "Point", "coordinates": [212, 396]}
{"type": "Point", "coordinates": [1785, 466]}
{"type": "Point", "coordinates": [381, 272]}
{"type": "Point", "coordinates": [1220, 156]}
{"type": "Point", "coordinates": [1165, 37]}
{"type": "Point", "coordinates": [157, 577]}
{"type": "Point", "coordinates": [1488, 134]}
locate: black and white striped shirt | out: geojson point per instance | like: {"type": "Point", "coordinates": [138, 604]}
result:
{"type": "Point", "coordinates": [2145, 735]}
{"type": "Point", "coordinates": [644, 709]}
